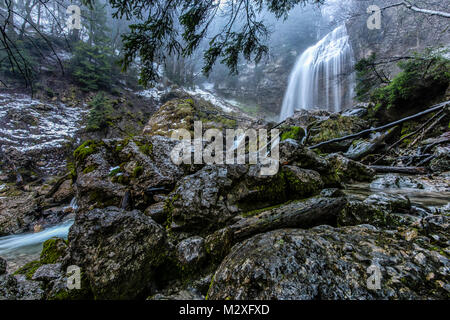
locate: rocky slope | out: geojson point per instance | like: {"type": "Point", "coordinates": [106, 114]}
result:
{"type": "Point", "coordinates": [149, 229]}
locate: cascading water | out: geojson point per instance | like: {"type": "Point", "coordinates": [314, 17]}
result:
{"type": "Point", "coordinates": [322, 77]}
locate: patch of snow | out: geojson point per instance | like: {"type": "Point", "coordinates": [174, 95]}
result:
{"type": "Point", "coordinates": [111, 170]}
{"type": "Point", "coordinates": [29, 125]}
{"type": "Point", "coordinates": [208, 96]}
{"type": "Point", "coordinates": [154, 93]}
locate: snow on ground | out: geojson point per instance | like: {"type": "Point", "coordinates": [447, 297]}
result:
{"type": "Point", "coordinates": [153, 93]}
{"type": "Point", "coordinates": [225, 105]}
{"type": "Point", "coordinates": [31, 126]}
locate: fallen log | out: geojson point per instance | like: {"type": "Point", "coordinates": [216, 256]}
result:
{"type": "Point", "coordinates": [404, 170]}
{"type": "Point", "coordinates": [304, 214]}
{"type": "Point", "coordinates": [385, 127]}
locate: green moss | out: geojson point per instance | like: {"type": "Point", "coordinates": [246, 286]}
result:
{"type": "Point", "coordinates": [336, 127]}
{"type": "Point", "coordinates": [29, 269]}
{"type": "Point", "coordinates": [53, 249]}
{"type": "Point", "coordinates": [210, 286]}
{"type": "Point", "coordinates": [87, 148]}
{"type": "Point", "coordinates": [121, 145]}
{"type": "Point", "coordinates": [115, 172]}
{"type": "Point", "coordinates": [145, 148]}
{"type": "Point", "coordinates": [72, 171]}
{"type": "Point", "coordinates": [299, 188]}
{"type": "Point", "coordinates": [137, 171]}
{"type": "Point", "coordinates": [258, 211]}
{"type": "Point", "coordinates": [89, 169]}
{"type": "Point", "coordinates": [296, 133]}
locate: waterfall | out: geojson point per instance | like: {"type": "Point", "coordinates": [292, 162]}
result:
{"type": "Point", "coordinates": [323, 76]}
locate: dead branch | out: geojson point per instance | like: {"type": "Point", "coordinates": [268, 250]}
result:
{"type": "Point", "coordinates": [387, 126]}
{"type": "Point", "coordinates": [404, 170]}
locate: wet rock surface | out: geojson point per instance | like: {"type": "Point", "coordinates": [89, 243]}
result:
{"type": "Point", "coordinates": [327, 263]}
{"type": "Point", "coordinates": [117, 250]}
{"type": "Point", "coordinates": [146, 228]}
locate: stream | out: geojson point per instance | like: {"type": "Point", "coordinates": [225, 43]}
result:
{"type": "Point", "coordinates": [19, 249]}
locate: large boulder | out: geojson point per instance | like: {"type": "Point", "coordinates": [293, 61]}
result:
{"type": "Point", "coordinates": [118, 251]}
{"type": "Point", "coordinates": [19, 288]}
{"type": "Point", "coordinates": [336, 126]}
{"type": "Point", "coordinates": [346, 170]}
{"type": "Point", "coordinates": [329, 263]}
{"type": "Point", "coordinates": [182, 112]}
{"type": "Point", "coordinates": [18, 212]}
{"type": "Point", "coordinates": [212, 197]}
{"type": "Point", "coordinates": [108, 169]}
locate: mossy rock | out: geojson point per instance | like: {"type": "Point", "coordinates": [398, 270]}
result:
{"type": "Point", "coordinates": [86, 149]}
{"type": "Point", "coordinates": [53, 250]}
{"type": "Point", "coordinates": [63, 293]}
{"type": "Point", "coordinates": [296, 133]}
{"type": "Point", "coordinates": [137, 171]}
{"type": "Point", "coordinates": [29, 269]}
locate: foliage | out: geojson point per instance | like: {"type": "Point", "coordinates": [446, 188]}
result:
{"type": "Point", "coordinates": [366, 77]}
{"type": "Point", "coordinates": [179, 27]}
{"type": "Point", "coordinates": [296, 133]}
{"type": "Point", "coordinates": [426, 75]}
{"type": "Point", "coordinates": [26, 58]}
{"type": "Point", "coordinates": [91, 66]}
{"type": "Point", "coordinates": [100, 115]}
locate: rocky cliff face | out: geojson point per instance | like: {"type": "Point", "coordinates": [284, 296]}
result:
{"type": "Point", "coordinates": [402, 32]}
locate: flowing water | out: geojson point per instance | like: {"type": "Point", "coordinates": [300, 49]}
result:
{"type": "Point", "coordinates": [19, 249]}
{"type": "Point", "coordinates": [322, 77]}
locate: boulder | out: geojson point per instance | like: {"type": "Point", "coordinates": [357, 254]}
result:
{"type": "Point", "coordinates": [336, 126]}
{"type": "Point", "coordinates": [118, 251]}
{"type": "Point", "coordinates": [65, 193]}
{"type": "Point", "coordinates": [331, 263]}
{"type": "Point", "coordinates": [8, 287]}
{"type": "Point", "coordinates": [293, 153]}
{"type": "Point", "coordinates": [107, 169]}
{"type": "Point", "coordinates": [390, 202]}
{"type": "Point", "coordinates": [441, 161]}
{"type": "Point", "coordinates": [212, 197]}
{"type": "Point", "coordinates": [361, 148]}
{"type": "Point", "coordinates": [191, 251]}
{"type": "Point", "coordinates": [19, 288]}
{"type": "Point", "coordinates": [297, 214]}
{"type": "Point", "coordinates": [48, 272]}
{"type": "Point", "coordinates": [18, 212]}
{"type": "Point", "coordinates": [346, 170]}
{"type": "Point", "coordinates": [156, 212]}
